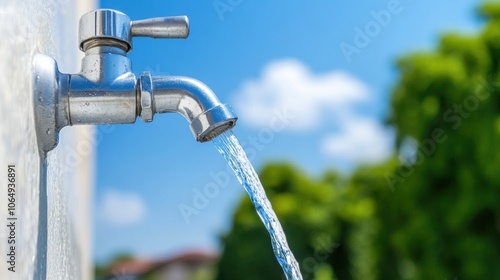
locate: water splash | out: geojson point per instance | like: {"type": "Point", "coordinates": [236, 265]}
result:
{"type": "Point", "coordinates": [229, 146]}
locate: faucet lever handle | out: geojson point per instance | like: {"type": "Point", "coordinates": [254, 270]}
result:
{"type": "Point", "coordinates": [162, 27]}
{"type": "Point", "coordinates": [105, 24]}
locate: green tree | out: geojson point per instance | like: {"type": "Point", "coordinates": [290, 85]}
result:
{"type": "Point", "coordinates": [443, 219]}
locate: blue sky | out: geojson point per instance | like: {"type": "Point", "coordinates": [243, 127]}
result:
{"type": "Point", "coordinates": [310, 81]}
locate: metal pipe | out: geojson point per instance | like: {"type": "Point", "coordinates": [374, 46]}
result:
{"type": "Point", "coordinates": [194, 100]}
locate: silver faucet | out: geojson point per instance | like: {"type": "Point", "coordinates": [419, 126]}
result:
{"type": "Point", "coordinates": [107, 92]}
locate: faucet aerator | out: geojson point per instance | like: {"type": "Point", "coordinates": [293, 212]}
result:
{"type": "Point", "coordinates": [213, 122]}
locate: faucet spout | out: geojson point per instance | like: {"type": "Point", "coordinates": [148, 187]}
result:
{"type": "Point", "coordinates": [194, 100]}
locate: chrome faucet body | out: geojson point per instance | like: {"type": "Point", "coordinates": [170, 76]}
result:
{"type": "Point", "coordinates": [107, 92]}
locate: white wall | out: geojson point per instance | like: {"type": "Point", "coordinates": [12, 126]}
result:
{"type": "Point", "coordinates": [48, 27]}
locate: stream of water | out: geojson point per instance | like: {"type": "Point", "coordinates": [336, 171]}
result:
{"type": "Point", "coordinates": [229, 146]}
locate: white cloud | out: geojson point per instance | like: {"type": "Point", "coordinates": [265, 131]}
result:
{"type": "Point", "coordinates": [361, 141]}
{"type": "Point", "coordinates": [121, 208]}
{"type": "Point", "coordinates": [289, 84]}
{"type": "Point", "coordinates": [316, 100]}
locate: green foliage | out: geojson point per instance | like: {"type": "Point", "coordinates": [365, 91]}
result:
{"type": "Point", "coordinates": [490, 10]}
{"type": "Point", "coordinates": [324, 272]}
{"type": "Point", "coordinates": [435, 215]}
{"type": "Point", "coordinates": [442, 221]}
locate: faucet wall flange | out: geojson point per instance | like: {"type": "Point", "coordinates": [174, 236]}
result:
{"type": "Point", "coordinates": [50, 88]}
